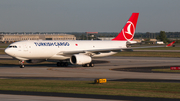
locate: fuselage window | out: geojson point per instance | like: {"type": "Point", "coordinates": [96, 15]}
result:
{"type": "Point", "coordinates": [12, 46]}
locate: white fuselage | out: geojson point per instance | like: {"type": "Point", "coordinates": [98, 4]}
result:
{"type": "Point", "coordinates": [55, 49]}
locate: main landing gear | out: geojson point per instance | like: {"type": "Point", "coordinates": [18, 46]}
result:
{"type": "Point", "coordinates": [65, 64]}
{"type": "Point", "coordinates": [21, 62]}
{"type": "Point", "coordinates": [88, 65]}
{"type": "Point", "coordinates": [62, 64]}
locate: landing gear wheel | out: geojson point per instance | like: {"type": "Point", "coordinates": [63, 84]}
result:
{"type": "Point", "coordinates": [21, 66]}
{"type": "Point", "coordinates": [87, 65]}
{"type": "Point", "coordinates": [65, 64]}
{"type": "Point", "coordinates": [21, 63]}
{"type": "Point", "coordinates": [91, 64]}
{"type": "Point", "coordinates": [62, 64]}
{"type": "Point", "coordinates": [58, 64]}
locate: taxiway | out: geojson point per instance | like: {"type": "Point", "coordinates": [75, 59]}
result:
{"type": "Point", "coordinates": [103, 69]}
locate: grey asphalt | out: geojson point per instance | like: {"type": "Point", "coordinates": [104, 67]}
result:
{"type": "Point", "coordinates": [9, 97]}
{"type": "Point", "coordinates": [3, 56]}
{"type": "Point", "coordinates": [45, 96]}
{"type": "Point", "coordinates": [101, 70]}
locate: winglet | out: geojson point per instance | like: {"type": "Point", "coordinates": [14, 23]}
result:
{"type": "Point", "coordinates": [170, 44]}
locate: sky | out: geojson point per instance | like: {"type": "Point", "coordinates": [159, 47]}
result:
{"type": "Point", "coordinates": [88, 15]}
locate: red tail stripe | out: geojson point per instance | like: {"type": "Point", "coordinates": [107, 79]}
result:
{"type": "Point", "coordinates": [127, 33]}
{"type": "Point", "coordinates": [171, 43]}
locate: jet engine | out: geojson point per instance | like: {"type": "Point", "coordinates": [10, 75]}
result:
{"type": "Point", "coordinates": [80, 59]}
{"type": "Point", "coordinates": [35, 61]}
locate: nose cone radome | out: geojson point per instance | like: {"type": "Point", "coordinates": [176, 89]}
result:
{"type": "Point", "coordinates": [7, 51]}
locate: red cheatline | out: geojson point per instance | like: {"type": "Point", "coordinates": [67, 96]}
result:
{"type": "Point", "coordinates": [175, 68]}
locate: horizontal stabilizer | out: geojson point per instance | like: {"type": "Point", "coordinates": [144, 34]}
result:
{"type": "Point", "coordinates": [131, 42]}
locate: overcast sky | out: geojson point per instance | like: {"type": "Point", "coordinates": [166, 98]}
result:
{"type": "Point", "coordinates": [88, 15]}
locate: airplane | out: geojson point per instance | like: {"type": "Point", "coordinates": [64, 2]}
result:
{"type": "Point", "coordinates": [79, 52]}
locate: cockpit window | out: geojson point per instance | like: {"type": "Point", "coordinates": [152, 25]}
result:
{"type": "Point", "coordinates": [12, 47]}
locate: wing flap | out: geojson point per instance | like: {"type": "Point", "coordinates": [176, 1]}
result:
{"type": "Point", "coordinates": [89, 51]}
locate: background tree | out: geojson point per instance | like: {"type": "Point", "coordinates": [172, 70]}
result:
{"type": "Point", "coordinates": [162, 37]}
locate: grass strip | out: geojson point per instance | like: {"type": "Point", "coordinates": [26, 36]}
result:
{"type": "Point", "coordinates": [159, 48]}
{"type": "Point", "coordinates": [166, 70]}
{"type": "Point", "coordinates": [140, 89]}
{"type": "Point", "coordinates": [3, 46]}
{"type": "Point", "coordinates": [2, 51]}
{"type": "Point", "coordinates": [149, 54]}
{"type": "Point", "coordinates": [9, 62]}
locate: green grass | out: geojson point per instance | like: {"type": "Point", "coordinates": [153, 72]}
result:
{"type": "Point", "coordinates": [3, 46]}
{"type": "Point", "coordinates": [160, 48]}
{"type": "Point", "coordinates": [166, 70]}
{"type": "Point", "coordinates": [9, 62]}
{"type": "Point", "coordinates": [140, 89]}
{"type": "Point", "coordinates": [2, 51]}
{"type": "Point", "coordinates": [149, 54]}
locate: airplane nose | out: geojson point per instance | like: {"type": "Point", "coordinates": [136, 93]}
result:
{"type": "Point", "coordinates": [9, 52]}
{"type": "Point", "coordinates": [6, 51]}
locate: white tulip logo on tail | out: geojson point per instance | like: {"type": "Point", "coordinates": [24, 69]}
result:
{"type": "Point", "coordinates": [128, 31]}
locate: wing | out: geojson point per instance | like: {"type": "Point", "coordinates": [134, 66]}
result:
{"type": "Point", "coordinates": [97, 51]}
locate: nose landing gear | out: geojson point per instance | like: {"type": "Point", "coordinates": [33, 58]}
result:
{"type": "Point", "coordinates": [21, 62]}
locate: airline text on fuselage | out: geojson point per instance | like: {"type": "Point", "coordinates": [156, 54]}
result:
{"type": "Point", "coordinates": [51, 43]}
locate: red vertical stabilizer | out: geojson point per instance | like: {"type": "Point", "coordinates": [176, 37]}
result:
{"type": "Point", "coordinates": [127, 33]}
{"type": "Point", "coordinates": [170, 44]}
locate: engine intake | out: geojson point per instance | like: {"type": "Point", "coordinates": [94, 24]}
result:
{"type": "Point", "coordinates": [80, 59]}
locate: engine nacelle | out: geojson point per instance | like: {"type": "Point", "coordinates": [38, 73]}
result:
{"type": "Point", "coordinates": [34, 61]}
{"type": "Point", "coordinates": [80, 59]}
